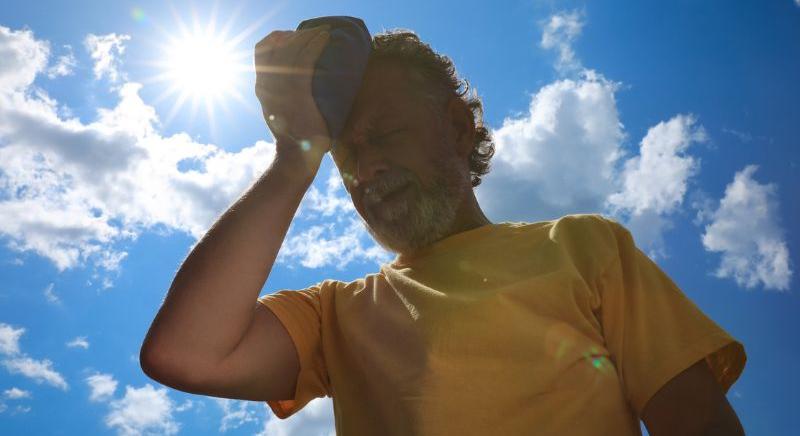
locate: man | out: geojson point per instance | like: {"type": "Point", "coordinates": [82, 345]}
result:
{"type": "Point", "coordinates": [560, 327]}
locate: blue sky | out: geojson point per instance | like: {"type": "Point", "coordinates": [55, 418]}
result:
{"type": "Point", "coordinates": [679, 119]}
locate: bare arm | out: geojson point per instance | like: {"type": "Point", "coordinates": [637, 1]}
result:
{"type": "Point", "coordinates": [210, 336]}
{"type": "Point", "coordinates": [692, 403]}
{"type": "Point", "coordinates": [212, 300]}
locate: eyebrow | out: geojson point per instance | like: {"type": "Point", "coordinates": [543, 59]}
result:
{"type": "Point", "coordinates": [371, 121]}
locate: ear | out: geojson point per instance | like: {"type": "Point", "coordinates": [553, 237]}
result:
{"type": "Point", "coordinates": [461, 126]}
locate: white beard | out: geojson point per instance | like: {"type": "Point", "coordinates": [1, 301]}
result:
{"type": "Point", "coordinates": [419, 220]}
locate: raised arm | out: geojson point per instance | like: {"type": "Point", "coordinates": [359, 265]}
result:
{"type": "Point", "coordinates": [210, 336]}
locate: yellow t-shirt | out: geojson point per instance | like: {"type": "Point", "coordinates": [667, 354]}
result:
{"type": "Point", "coordinates": [550, 328]}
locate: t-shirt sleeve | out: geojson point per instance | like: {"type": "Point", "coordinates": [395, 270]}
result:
{"type": "Point", "coordinates": [300, 312]}
{"type": "Point", "coordinates": [652, 330]}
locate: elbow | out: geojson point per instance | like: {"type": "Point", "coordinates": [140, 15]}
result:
{"type": "Point", "coordinates": [173, 371]}
{"type": "Point", "coordinates": [158, 365]}
{"type": "Point", "coordinates": [150, 362]}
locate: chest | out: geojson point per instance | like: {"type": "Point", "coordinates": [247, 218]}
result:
{"type": "Point", "coordinates": [466, 323]}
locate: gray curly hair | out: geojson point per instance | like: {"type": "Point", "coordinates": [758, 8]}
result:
{"type": "Point", "coordinates": [437, 76]}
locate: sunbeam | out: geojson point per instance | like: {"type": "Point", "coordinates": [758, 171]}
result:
{"type": "Point", "coordinates": [202, 64]}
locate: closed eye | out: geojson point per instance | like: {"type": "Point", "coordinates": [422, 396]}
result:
{"type": "Point", "coordinates": [384, 136]}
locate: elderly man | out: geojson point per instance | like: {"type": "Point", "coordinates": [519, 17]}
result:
{"type": "Point", "coordinates": [560, 327]}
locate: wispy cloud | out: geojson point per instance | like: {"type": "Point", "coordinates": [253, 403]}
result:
{"type": "Point", "coordinates": [236, 413]}
{"type": "Point", "coordinates": [331, 244]}
{"type": "Point", "coordinates": [9, 339]}
{"type": "Point", "coordinates": [559, 33]}
{"type": "Point", "coordinates": [105, 51]}
{"type": "Point", "coordinates": [334, 201]}
{"type": "Point", "coordinates": [745, 229]}
{"type": "Point", "coordinates": [17, 410]}
{"type": "Point", "coordinates": [64, 65]}
{"type": "Point", "coordinates": [50, 295]}
{"type": "Point", "coordinates": [79, 342]}
{"type": "Point", "coordinates": [16, 394]}
{"type": "Point", "coordinates": [18, 362]}
{"type": "Point", "coordinates": [40, 371]}
{"type": "Point", "coordinates": [186, 405]}
{"type": "Point", "coordinates": [332, 234]}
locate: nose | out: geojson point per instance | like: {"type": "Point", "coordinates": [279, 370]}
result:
{"type": "Point", "coordinates": [371, 164]}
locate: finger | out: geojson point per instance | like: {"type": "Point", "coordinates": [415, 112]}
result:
{"type": "Point", "coordinates": [269, 44]}
{"type": "Point", "coordinates": [289, 49]}
{"type": "Point", "coordinates": [271, 38]}
{"type": "Point", "coordinates": [268, 49]}
{"type": "Point", "coordinates": [301, 38]}
{"type": "Point", "coordinates": [308, 56]}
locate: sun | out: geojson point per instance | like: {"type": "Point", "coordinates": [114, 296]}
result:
{"type": "Point", "coordinates": [202, 64]}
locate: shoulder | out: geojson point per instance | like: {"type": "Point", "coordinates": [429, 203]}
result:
{"type": "Point", "coordinates": [332, 289]}
{"type": "Point", "coordinates": [577, 233]}
{"type": "Point", "coordinates": [591, 240]}
{"type": "Point", "coordinates": [585, 229]}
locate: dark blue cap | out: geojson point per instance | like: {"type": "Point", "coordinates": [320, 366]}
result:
{"type": "Point", "coordinates": [340, 68]}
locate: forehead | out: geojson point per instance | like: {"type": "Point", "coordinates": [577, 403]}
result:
{"type": "Point", "coordinates": [384, 95]}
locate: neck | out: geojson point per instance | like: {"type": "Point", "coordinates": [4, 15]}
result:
{"type": "Point", "coordinates": [468, 216]}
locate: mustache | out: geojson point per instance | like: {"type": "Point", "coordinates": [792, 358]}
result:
{"type": "Point", "coordinates": [379, 188]}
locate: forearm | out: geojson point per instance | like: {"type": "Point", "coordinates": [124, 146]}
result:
{"type": "Point", "coordinates": [210, 302]}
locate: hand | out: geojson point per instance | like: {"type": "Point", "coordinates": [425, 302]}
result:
{"type": "Point", "coordinates": [284, 62]}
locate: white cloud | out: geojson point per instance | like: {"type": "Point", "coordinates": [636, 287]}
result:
{"type": "Point", "coordinates": [73, 191]}
{"type": "Point", "coordinates": [746, 230]}
{"type": "Point", "coordinates": [334, 201]}
{"type": "Point", "coordinates": [144, 410]}
{"type": "Point", "coordinates": [79, 342]}
{"type": "Point", "coordinates": [64, 66]}
{"type": "Point", "coordinates": [565, 155]}
{"type": "Point", "coordinates": [336, 236]}
{"type": "Point", "coordinates": [657, 179]}
{"type": "Point", "coordinates": [559, 157]}
{"type": "Point", "coordinates": [37, 370]}
{"type": "Point", "coordinates": [186, 405]}
{"type": "Point", "coordinates": [560, 31]}
{"type": "Point", "coordinates": [50, 295]}
{"type": "Point", "coordinates": [18, 363]}
{"type": "Point", "coordinates": [23, 57]}
{"type": "Point", "coordinates": [236, 413]}
{"type": "Point", "coordinates": [103, 386]}
{"type": "Point", "coordinates": [15, 393]}
{"type": "Point", "coordinates": [9, 339]}
{"type": "Point", "coordinates": [19, 409]}
{"type": "Point", "coordinates": [105, 50]}
{"type": "Point", "coordinates": [655, 182]}
{"type": "Point", "coordinates": [331, 244]}
{"type": "Point", "coordinates": [315, 419]}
